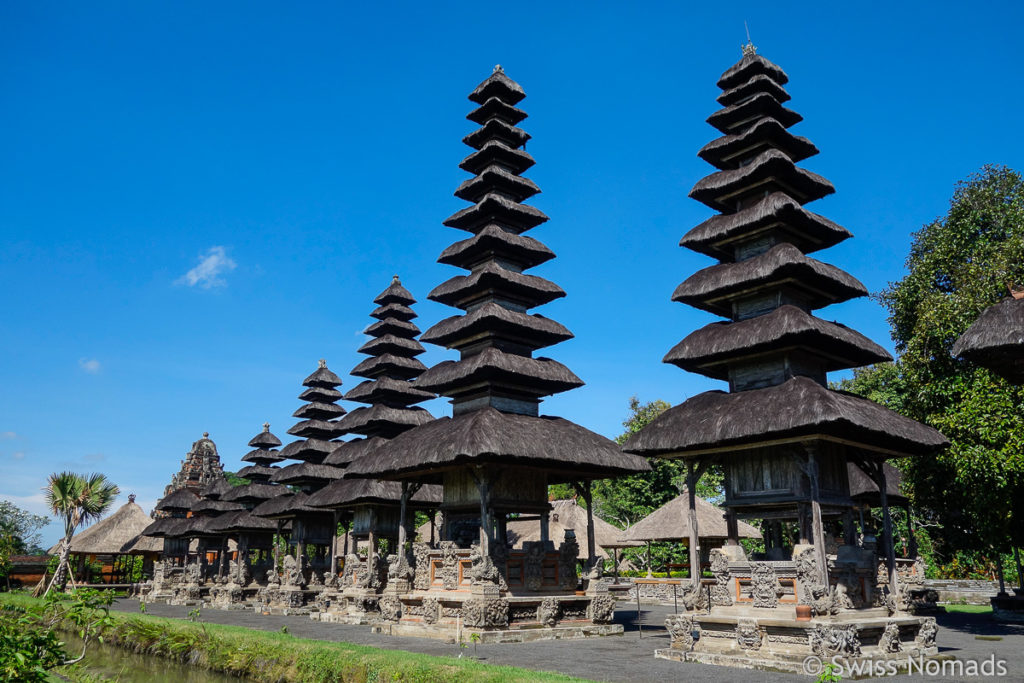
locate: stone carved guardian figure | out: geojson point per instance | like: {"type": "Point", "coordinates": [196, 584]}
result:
{"type": "Point", "coordinates": [890, 640]}
{"type": "Point", "coordinates": [764, 585]}
{"type": "Point", "coordinates": [926, 634]}
{"type": "Point", "coordinates": [533, 570]}
{"type": "Point", "coordinates": [548, 612]}
{"type": "Point", "coordinates": [748, 634]}
{"type": "Point", "coordinates": [483, 570]}
{"type": "Point", "coordinates": [602, 609]}
{"type": "Point", "coordinates": [421, 558]}
{"type": "Point", "coordinates": [828, 640]}
{"type": "Point", "coordinates": [449, 565]}
{"type": "Point", "coordinates": [721, 592]}
{"type": "Point", "coordinates": [684, 630]}
{"type": "Point", "coordinates": [567, 554]}
{"type": "Point", "coordinates": [353, 567]}
{"type": "Point", "coordinates": [390, 608]}
{"type": "Point", "coordinates": [485, 612]}
{"type": "Point", "coordinates": [431, 609]}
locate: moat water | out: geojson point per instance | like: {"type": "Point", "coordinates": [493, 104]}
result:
{"type": "Point", "coordinates": [128, 667]}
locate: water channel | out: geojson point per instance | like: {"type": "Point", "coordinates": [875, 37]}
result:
{"type": "Point", "coordinates": [128, 667]}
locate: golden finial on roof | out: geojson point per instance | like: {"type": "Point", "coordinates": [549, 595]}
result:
{"type": "Point", "coordinates": [323, 363]}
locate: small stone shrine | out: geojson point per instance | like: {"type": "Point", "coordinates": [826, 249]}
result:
{"type": "Point", "coordinates": [377, 510]}
{"type": "Point", "coordinates": [781, 436]}
{"type": "Point", "coordinates": [497, 455]}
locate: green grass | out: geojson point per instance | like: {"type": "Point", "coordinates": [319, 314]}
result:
{"type": "Point", "coordinates": [271, 656]}
{"type": "Point", "coordinates": [970, 609]}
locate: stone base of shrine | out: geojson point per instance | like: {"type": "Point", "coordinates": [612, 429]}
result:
{"type": "Point", "coordinates": [1008, 608]}
{"type": "Point", "coordinates": [519, 634]}
{"type": "Point", "coordinates": [866, 641]}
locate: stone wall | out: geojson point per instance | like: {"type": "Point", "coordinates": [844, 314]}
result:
{"type": "Point", "coordinates": [657, 593]}
{"type": "Point", "coordinates": [971, 591]}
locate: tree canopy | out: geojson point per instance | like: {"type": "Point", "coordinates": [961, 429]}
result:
{"type": "Point", "coordinates": [959, 265]}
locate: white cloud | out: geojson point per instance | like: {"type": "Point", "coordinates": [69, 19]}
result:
{"type": "Point", "coordinates": [18, 455]}
{"type": "Point", "coordinates": [212, 264]}
{"type": "Point", "coordinates": [8, 435]}
{"type": "Point", "coordinates": [90, 365]}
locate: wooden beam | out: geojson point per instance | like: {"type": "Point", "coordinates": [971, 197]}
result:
{"type": "Point", "coordinates": [816, 527]}
{"type": "Point", "coordinates": [691, 499]}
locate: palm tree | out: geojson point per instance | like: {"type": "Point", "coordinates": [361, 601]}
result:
{"type": "Point", "coordinates": [77, 500]}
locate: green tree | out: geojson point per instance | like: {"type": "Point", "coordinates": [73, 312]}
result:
{"type": "Point", "coordinates": [959, 265]}
{"type": "Point", "coordinates": [76, 500]}
{"type": "Point", "coordinates": [19, 534]}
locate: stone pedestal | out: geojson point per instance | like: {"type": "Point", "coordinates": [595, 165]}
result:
{"type": "Point", "coordinates": [1006, 607]}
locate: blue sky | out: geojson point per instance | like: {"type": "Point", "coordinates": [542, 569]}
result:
{"type": "Point", "coordinates": [292, 158]}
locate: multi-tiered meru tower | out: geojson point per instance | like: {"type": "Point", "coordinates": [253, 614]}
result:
{"type": "Point", "coordinates": [783, 438]}
{"type": "Point", "coordinates": [378, 510]}
{"type": "Point", "coordinates": [312, 530]}
{"type": "Point", "coordinates": [496, 455]}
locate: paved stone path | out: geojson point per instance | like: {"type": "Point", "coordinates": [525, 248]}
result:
{"type": "Point", "coordinates": [627, 658]}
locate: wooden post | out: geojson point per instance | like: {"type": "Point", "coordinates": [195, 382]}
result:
{"type": "Point", "coordinates": [691, 498]}
{"type": "Point", "coordinates": [433, 525]}
{"type": "Point", "coordinates": [816, 527]}
{"type": "Point", "coordinates": [999, 568]}
{"type": "Point", "coordinates": [849, 533]}
{"type": "Point", "coordinates": [277, 545]}
{"type": "Point", "coordinates": [545, 528]}
{"type": "Point", "coordinates": [1020, 574]}
{"type": "Point", "coordinates": [732, 528]}
{"type": "Point", "coordinates": [335, 516]}
{"type": "Point", "coordinates": [371, 539]}
{"type": "Point", "coordinates": [890, 550]}
{"type": "Point", "coordinates": [403, 503]}
{"type": "Point", "coordinates": [911, 538]}
{"type": "Point", "coordinates": [583, 488]}
{"type": "Point", "coordinates": [650, 574]}
{"type": "Point", "coordinates": [615, 554]}
{"type": "Point", "coordinates": [486, 531]}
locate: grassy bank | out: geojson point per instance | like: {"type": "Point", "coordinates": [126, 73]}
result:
{"type": "Point", "coordinates": [969, 609]}
{"type": "Point", "coordinates": [281, 658]}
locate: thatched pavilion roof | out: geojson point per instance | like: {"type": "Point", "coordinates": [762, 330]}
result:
{"type": "Point", "coordinates": [797, 408]}
{"type": "Point", "coordinates": [566, 514]}
{"type": "Point", "coordinates": [865, 491]}
{"type": "Point", "coordinates": [996, 340]}
{"type": "Point", "coordinates": [112, 535]}
{"type": "Point", "coordinates": [671, 522]}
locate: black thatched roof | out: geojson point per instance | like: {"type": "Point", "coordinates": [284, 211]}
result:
{"type": "Point", "coordinates": [265, 439]}
{"type": "Point", "coordinates": [817, 284]}
{"type": "Point", "coordinates": [996, 340]}
{"type": "Point", "coordinates": [306, 473]}
{"type": "Point", "coordinates": [495, 242]}
{"type": "Point", "coordinates": [392, 326]}
{"type": "Point", "coordinates": [241, 521]}
{"type": "Point", "coordinates": [396, 311]}
{"type": "Point", "coordinates": [492, 178]}
{"type": "Point", "coordinates": [252, 493]}
{"type": "Point", "coordinates": [351, 450]}
{"type": "Point", "coordinates": [864, 490]}
{"type": "Point", "coordinates": [767, 132]}
{"type": "Point", "coordinates": [494, 108]}
{"type": "Point", "coordinates": [322, 377]}
{"type": "Point", "coordinates": [718, 235]}
{"type": "Point", "coordinates": [542, 376]}
{"type": "Point", "coordinates": [798, 408]}
{"type": "Point", "coordinates": [762, 105]}
{"type": "Point", "coordinates": [462, 291]}
{"type": "Point", "coordinates": [758, 84]}
{"type": "Point", "coordinates": [395, 294]}
{"type": "Point", "coordinates": [310, 450]}
{"type": "Point", "coordinates": [166, 527]}
{"type": "Point", "coordinates": [748, 68]}
{"type": "Point", "coordinates": [389, 391]}
{"type": "Point", "coordinates": [496, 129]}
{"type": "Point", "coordinates": [180, 500]}
{"type": "Point", "coordinates": [671, 522]}
{"type": "Point", "coordinates": [498, 85]}
{"type": "Point", "coordinates": [257, 473]}
{"type": "Point", "coordinates": [389, 364]}
{"type": "Point", "coordinates": [345, 493]}
{"type": "Point", "coordinates": [215, 488]}
{"type": "Point", "coordinates": [770, 170]}
{"type": "Point", "coordinates": [318, 410]}
{"type": "Point", "coordinates": [285, 506]}
{"type": "Point", "coordinates": [384, 420]}
{"type": "Point", "coordinates": [210, 505]}
{"type": "Point", "coordinates": [487, 435]}
{"type": "Point", "coordinates": [324, 430]}
{"type": "Point", "coordinates": [712, 348]}
{"type": "Point", "coordinates": [261, 457]}
{"type": "Point", "coordinates": [390, 343]}
{"type": "Point", "coordinates": [494, 320]}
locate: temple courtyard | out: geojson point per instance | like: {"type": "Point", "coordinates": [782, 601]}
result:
{"type": "Point", "coordinates": [963, 636]}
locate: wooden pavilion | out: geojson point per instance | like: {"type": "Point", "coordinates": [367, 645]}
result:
{"type": "Point", "coordinates": [497, 455]}
{"type": "Point", "coordinates": [783, 438]}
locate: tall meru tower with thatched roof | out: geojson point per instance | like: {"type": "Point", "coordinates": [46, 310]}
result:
{"type": "Point", "coordinates": [781, 435]}
{"type": "Point", "coordinates": [497, 455]}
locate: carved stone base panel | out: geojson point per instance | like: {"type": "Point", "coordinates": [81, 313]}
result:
{"type": "Point", "coordinates": [783, 644]}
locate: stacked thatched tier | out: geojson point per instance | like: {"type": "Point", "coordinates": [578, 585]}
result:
{"type": "Point", "coordinates": [773, 351]}
{"type": "Point", "coordinates": [497, 383]}
{"type": "Point", "coordinates": [391, 365]}
{"type": "Point", "coordinates": [996, 339]}
{"type": "Point", "coordinates": [318, 430]}
{"type": "Point", "coordinates": [389, 392]}
{"type": "Point", "coordinates": [259, 489]}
